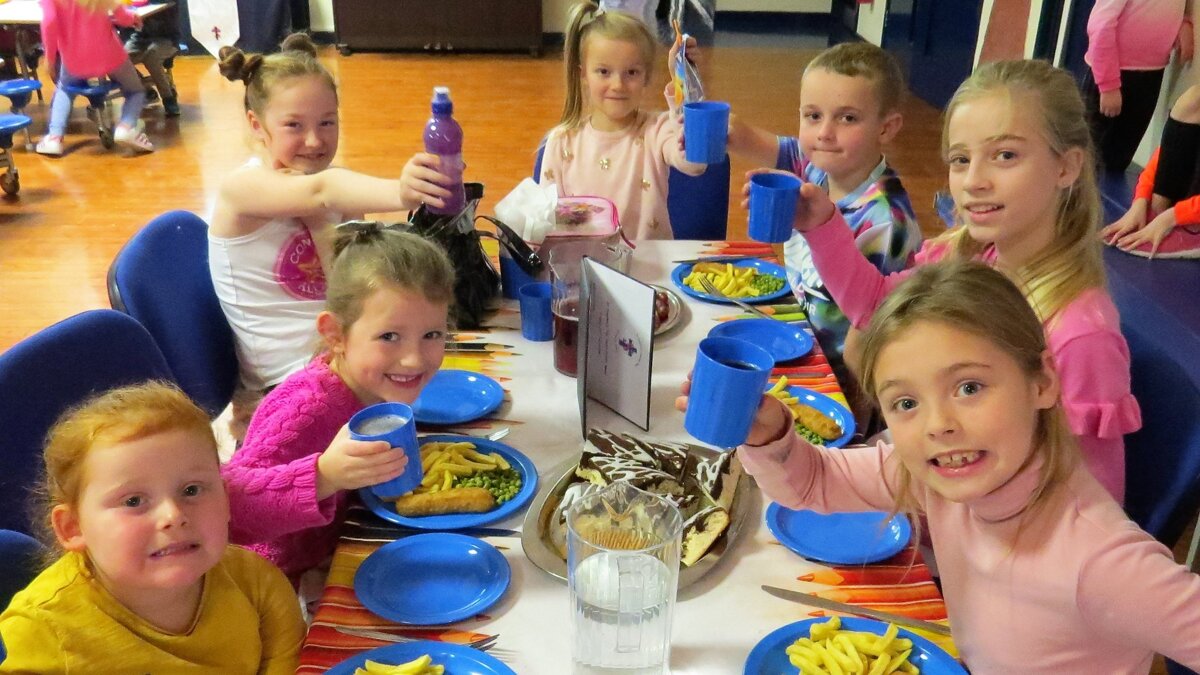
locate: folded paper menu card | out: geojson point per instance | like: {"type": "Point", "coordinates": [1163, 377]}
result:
{"type": "Point", "coordinates": [616, 340]}
{"type": "Point", "coordinates": [697, 480]}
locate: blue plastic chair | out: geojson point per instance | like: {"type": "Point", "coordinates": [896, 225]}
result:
{"type": "Point", "coordinates": [52, 370]}
{"type": "Point", "coordinates": [10, 123]}
{"type": "Point", "coordinates": [161, 278]}
{"type": "Point", "coordinates": [19, 92]}
{"type": "Point", "coordinates": [98, 93]}
{"type": "Point", "coordinates": [20, 562]}
{"type": "Point", "coordinates": [698, 205]}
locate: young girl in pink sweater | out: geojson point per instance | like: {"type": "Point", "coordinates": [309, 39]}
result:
{"type": "Point", "coordinates": [1016, 139]}
{"type": "Point", "coordinates": [1042, 571]}
{"type": "Point", "coordinates": [384, 329]}
{"type": "Point", "coordinates": [605, 144]}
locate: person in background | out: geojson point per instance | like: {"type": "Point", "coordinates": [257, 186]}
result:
{"type": "Point", "coordinates": [146, 581]}
{"type": "Point", "coordinates": [80, 43]}
{"type": "Point", "coordinates": [152, 45]}
{"type": "Point", "coordinates": [1164, 218]}
{"type": "Point", "coordinates": [1129, 46]}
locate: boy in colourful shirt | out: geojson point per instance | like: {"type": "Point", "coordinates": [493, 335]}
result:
{"type": "Point", "coordinates": [849, 109]}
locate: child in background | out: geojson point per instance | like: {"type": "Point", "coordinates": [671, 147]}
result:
{"type": "Point", "coordinates": [849, 110]}
{"type": "Point", "coordinates": [1041, 569]}
{"type": "Point", "coordinates": [605, 144]}
{"type": "Point", "coordinates": [1021, 173]}
{"type": "Point", "coordinates": [269, 241]}
{"type": "Point", "coordinates": [1129, 47]}
{"type": "Point", "coordinates": [147, 582]}
{"type": "Point", "coordinates": [151, 45]}
{"type": "Point", "coordinates": [80, 44]}
{"type": "Point", "coordinates": [1164, 219]}
{"type": "Point", "coordinates": [385, 334]}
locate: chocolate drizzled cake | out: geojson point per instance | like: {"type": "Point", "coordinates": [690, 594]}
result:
{"type": "Point", "coordinates": [700, 486]}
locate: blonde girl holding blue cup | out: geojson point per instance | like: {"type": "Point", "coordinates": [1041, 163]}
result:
{"type": "Point", "coordinates": [384, 329]}
{"type": "Point", "coordinates": [606, 145]}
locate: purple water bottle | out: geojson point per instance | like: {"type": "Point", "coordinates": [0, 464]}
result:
{"type": "Point", "coordinates": [443, 137]}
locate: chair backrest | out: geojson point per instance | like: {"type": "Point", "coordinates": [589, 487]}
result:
{"type": "Point", "coordinates": [698, 205]}
{"type": "Point", "coordinates": [161, 278]}
{"type": "Point", "coordinates": [52, 370]}
{"type": "Point", "coordinates": [1162, 459]}
{"type": "Point", "coordinates": [20, 562]}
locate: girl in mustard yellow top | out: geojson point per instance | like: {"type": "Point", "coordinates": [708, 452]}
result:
{"type": "Point", "coordinates": [147, 582]}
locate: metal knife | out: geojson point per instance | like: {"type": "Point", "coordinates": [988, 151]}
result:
{"type": "Point", "coordinates": [823, 603]}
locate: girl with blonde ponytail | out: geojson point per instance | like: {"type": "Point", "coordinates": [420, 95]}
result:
{"type": "Point", "coordinates": [605, 144]}
{"type": "Point", "coordinates": [1020, 162]}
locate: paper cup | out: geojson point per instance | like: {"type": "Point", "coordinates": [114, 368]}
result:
{"type": "Point", "coordinates": [394, 423]}
{"type": "Point", "coordinates": [727, 385]}
{"type": "Point", "coordinates": [773, 198]}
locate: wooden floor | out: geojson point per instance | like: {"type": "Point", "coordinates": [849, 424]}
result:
{"type": "Point", "coordinates": [74, 212]}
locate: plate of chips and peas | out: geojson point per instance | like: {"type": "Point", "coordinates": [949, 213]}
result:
{"type": "Point", "coordinates": [750, 280]}
{"type": "Point", "coordinates": [819, 419]}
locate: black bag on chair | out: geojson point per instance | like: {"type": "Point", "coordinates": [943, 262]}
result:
{"type": "Point", "coordinates": [476, 283]}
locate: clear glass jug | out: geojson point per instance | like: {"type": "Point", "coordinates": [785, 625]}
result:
{"type": "Point", "coordinates": [622, 572]}
{"type": "Point", "coordinates": [565, 262]}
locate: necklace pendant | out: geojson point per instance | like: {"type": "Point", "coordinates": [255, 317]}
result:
{"type": "Point", "coordinates": [604, 163]}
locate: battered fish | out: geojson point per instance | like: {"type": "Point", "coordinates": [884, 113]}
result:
{"type": "Point", "coordinates": [817, 421]}
{"type": "Point", "coordinates": [457, 500]}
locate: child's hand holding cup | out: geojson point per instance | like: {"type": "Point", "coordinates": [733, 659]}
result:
{"type": "Point", "coordinates": [394, 423]}
{"type": "Point", "coordinates": [728, 380]}
{"type": "Point", "coordinates": [773, 198]}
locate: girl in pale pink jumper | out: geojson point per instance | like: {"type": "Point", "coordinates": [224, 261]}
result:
{"type": "Point", "coordinates": [606, 145]}
{"type": "Point", "coordinates": [384, 329]}
{"type": "Point", "coordinates": [1021, 173]}
{"type": "Point", "coordinates": [1042, 571]}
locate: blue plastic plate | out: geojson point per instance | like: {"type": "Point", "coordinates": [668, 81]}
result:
{"type": "Point", "coordinates": [784, 341]}
{"type": "Point", "coordinates": [839, 538]}
{"type": "Point", "coordinates": [432, 579]}
{"type": "Point", "coordinates": [458, 659]}
{"type": "Point", "coordinates": [769, 658]}
{"type": "Point", "coordinates": [457, 396]}
{"type": "Point", "coordinates": [834, 410]}
{"type": "Point", "coordinates": [762, 266]}
{"type": "Point", "coordinates": [455, 521]}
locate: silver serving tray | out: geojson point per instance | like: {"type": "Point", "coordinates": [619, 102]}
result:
{"type": "Point", "coordinates": [541, 552]}
{"type": "Point", "coordinates": [676, 310]}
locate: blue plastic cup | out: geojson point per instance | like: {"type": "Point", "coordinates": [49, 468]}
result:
{"type": "Point", "coordinates": [512, 277]}
{"type": "Point", "coordinates": [727, 385]}
{"type": "Point", "coordinates": [394, 423]}
{"type": "Point", "coordinates": [773, 198]}
{"type": "Point", "coordinates": [705, 130]}
{"type": "Point", "coordinates": [537, 321]}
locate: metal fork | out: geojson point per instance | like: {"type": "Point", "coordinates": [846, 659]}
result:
{"type": "Point", "coordinates": [482, 644]}
{"type": "Point", "coordinates": [713, 291]}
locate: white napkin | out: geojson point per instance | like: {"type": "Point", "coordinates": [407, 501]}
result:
{"type": "Point", "coordinates": [529, 209]}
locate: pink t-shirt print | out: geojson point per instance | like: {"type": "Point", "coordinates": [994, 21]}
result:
{"type": "Point", "coordinates": [298, 269]}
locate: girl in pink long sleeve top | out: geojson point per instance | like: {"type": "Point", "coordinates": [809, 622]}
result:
{"type": "Point", "coordinates": [1029, 206]}
{"type": "Point", "coordinates": [605, 145]}
{"type": "Point", "coordinates": [1042, 571]}
{"type": "Point", "coordinates": [385, 329]}
{"type": "Point", "coordinates": [80, 43]}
